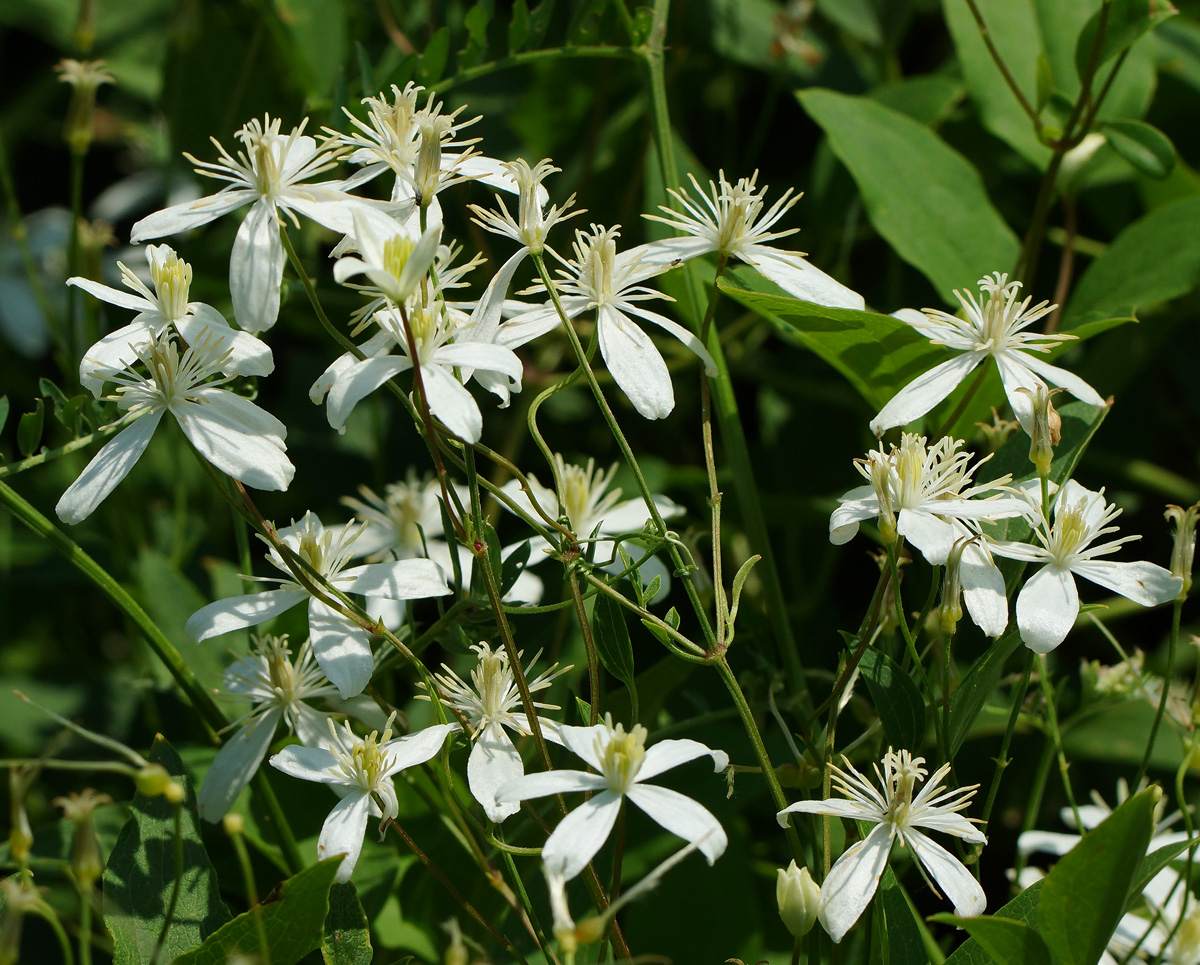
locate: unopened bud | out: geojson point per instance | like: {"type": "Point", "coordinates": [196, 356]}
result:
{"type": "Point", "coordinates": [84, 34]}
{"type": "Point", "coordinates": [1046, 427]}
{"type": "Point", "coordinates": [152, 780]}
{"type": "Point", "coordinates": [797, 895]}
{"type": "Point", "coordinates": [233, 823]}
{"type": "Point", "coordinates": [1184, 551]}
{"type": "Point", "coordinates": [85, 77]}
{"type": "Point", "coordinates": [427, 171]}
{"type": "Point", "coordinates": [950, 610]}
{"type": "Point", "coordinates": [86, 860]}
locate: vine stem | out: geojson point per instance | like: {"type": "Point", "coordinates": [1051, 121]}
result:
{"type": "Point", "coordinates": [1166, 692]}
{"type": "Point", "coordinates": [1056, 737]}
{"type": "Point", "coordinates": [1002, 761]}
{"type": "Point", "coordinates": [986, 34]}
{"type": "Point", "coordinates": [589, 645]}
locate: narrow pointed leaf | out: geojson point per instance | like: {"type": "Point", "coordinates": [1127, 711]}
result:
{"type": "Point", "coordinates": [347, 938]}
{"type": "Point", "coordinates": [1021, 909]}
{"type": "Point", "coordinates": [896, 698]}
{"type": "Point", "coordinates": [29, 429]}
{"type": "Point", "coordinates": [612, 639]}
{"type": "Point", "coordinates": [1003, 942]}
{"type": "Point", "coordinates": [1144, 146]}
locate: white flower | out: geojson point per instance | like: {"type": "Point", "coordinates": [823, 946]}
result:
{"type": "Point", "coordinates": [166, 305]}
{"type": "Point", "coordinates": [267, 174]}
{"type": "Point", "coordinates": [488, 703]}
{"type": "Point", "coordinates": [729, 223]}
{"type": "Point", "coordinates": [228, 430]}
{"type": "Point", "coordinates": [924, 494]}
{"type": "Point", "coordinates": [1048, 602]}
{"type": "Point", "coordinates": [402, 523]}
{"type": "Point", "coordinates": [994, 326]}
{"type": "Point", "coordinates": [896, 813]}
{"type": "Point", "coordinates": [599, 278]}
{"type": "Point", "coordinates": [393, 261]}
{"type": "Point", "coordinates": [533, 221]}
{"type": "Point", "coordinates": [1171, 933]}
{"type": "Point", "coordinates": [592, 507]}
{"type": "Point", "coordinates": [623, 763]}
{"type": "Point", "coordinates": [277, 687]}
{"type": "Point", "coordinates": [342, 647]}
{"type": "Point", "coordinates": [358, 768]}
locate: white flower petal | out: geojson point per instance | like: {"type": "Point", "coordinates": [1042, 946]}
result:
{"type": "Point", "coordinates": [635, 364]}
{"type": "Point", "coordinates": [1146, 583]}
{"type": "Point", "coordinates": [494, 762]}
{"type": "Point", "coordinates": [580, 834]}
{"type": "Point", "coordinates": [239, 612]}
{"type": "Point", "coordinates": [114, 296]}
{"type": "Point", "coordinates": [1068, 380]}
{"type": "Point", "coordinates": [956, 881]}
{"type": "Point", "coordinates": [671, 753]}
{"type": "Point", "coordinates": [107, 468]}
{"type": "Point", "coordinates": [256, 269]}
{"type": "Point", "coordinates": [983, 591]}
{"type": "Point", "coordinates": [480, 355]}
{"type": "Point", "coordinates": [925, 391]}
{"type": "Point", "coordinates": [581, 741]}
{"type": "Point", "coordinates": [1015, 376]}
{"type": "Point", "coordinates": [343, 831]}
{"type": "Point", "coordinates": [836, 807]}
{"type": "Point", "coordinates": [236, 762]}
{"type": "Point", "coordinates": [450, 401]}
{"type": "Point", "coordinates": [681, 333]}
{"type": "Point", "coordinates": [402, 580]}
{"type": "Point", "coordinates": [116, 351]}
{"type": "Point", "coordinates": [681, 816]}
{"type": "Point", "coordinates": [1046, 608]}
{"type": "Point", "coordinates": [247, 355]}
{"type": "Point", "coordinates": [549, 782]}
{"type": "Point", "coordinates": [356, 382]}
{"type": "Point", "coordinates": [417, 747]}
{"type": "Point", "coordinates": [932, 536]}
{"type": "Point", "coordinates": [852, 882]}
{"type": "Point", "coordinates": [309, 763]}
{"type": "Point", "coordinates": [797, 277]}
{"type": "Point", "coordinates": [190, 214]}
{"type": "Point", "coordinates": [341, 647]}
{"type": "Point", "coordinates": [227, 430]}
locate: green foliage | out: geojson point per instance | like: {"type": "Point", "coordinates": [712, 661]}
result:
{"type": "Point", "coordinates": [141, 875]}
{"type": "Point", "coordinates": [346, 937]}
{"type": "Point", "coordinates": [1006, 942]}
{"type": "Point", "coordinates": [897, 699]}
{"type": "Point", "coordinates": [902, 932]}
{"type": "Point", "coordinates": [290, 921]}
{"type": "Point", "coordinates": [1022, 910]}
{"type": "Point", "coordinates": [611, 634]}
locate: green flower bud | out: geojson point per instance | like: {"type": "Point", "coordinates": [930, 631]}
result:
{"type": "Point", "coordinates": [797, 895]}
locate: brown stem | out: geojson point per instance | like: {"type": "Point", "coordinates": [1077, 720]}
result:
{"type": "Point", "coordinates": [986, 34]}
{"type": "Point", "coordinates": [1066, 265]}
{"type": "Point", "coordinates": [589, 644]}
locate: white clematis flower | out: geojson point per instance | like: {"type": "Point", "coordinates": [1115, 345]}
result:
{"type": "Point", "coordinates": [359, 768]}
{"type": "Point", "coordinates": [623, 763]}
{"type": "Point", "coordinates": [1049, 602]}
{"type": "Point", "coordinates": [1167, 933]}
{"type": "Point", "coordinates": [167, 305]}
{"type": "Point", "coordinates": [488, 702]}
{"type": "Point", "coordinates": [994, 327]}
{"type": "Point", "coordinates": [732, 224]}
{"type": "Point", "coordinates": [277, 687]}
{"type": "Point", "coordinates": [268, 175]}
{"type": "Point", "coordinates": [392, 259]}
{"type": "Point", "coordinates": [342, 647]}
{"type": "Point", "coordinates": [924, 494]}
{"type": "Point", "coordinates": [226, 429]}
{"type": "Point", "coordinates": [599, 278]}
{"type": "Point", "coordinates": [896, 813]}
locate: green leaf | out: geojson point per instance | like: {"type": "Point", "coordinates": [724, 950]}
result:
{"type": "Point", "coordinates": [584, 27]}
{"type": "Point", "coordinates": [1012, 26]}
{"type": "Point", "coordinates": [1085, 893]}
{"type": "Point", "coordinates": [433, 58]}
{"type": "Point", "coordinates": [611, 634]}
{"type": "Point", "coordinates": [493, 549]}
{"type": "Point", "coordinates": [1021, 909]}
{"type": "Point", "coordinates": [347, 937]}
{"type": "Point", "coordinates": [897, 699]}
{"type": "Point", "coordinates": [366, 70]}
{"type": "Point", "coordinates": [539, 23]}
{"type": "Point", "coordinates": [513, 565]}
{"type": "Point", "coordinates": [1153, 260]}
{"type": "Point", "coordinates": [1045, 81]}
{"type": "Point", "coordinates": [857, 17]}
{"type": "Point", "coordinates": [3, 411]}
{"type": "Point", "coordinates": [1154, 862]}
{"type": "Point", "coordinates": [928, 99]}
{"type": "Point", "coordinates": [1006, 942]}
{"type": "Point", "coordinates": [902, 932]}
{"type": "Point", "coordinates": [1144, 146]}
{"type": "Point", "coordinates": [1127, 21]}
{"type": "Point", "coordinates": [292, 920]}
{"type": "Point", "coordinates": [977, 686]}
{"type": "Point", "coordinates": [29, 429]}
{"type": "Point", "coordinates": [922, 196]}
{"type": "Point", "coordinates": [476, 22]}
{"type": "Point", "coordinates": [518, 27]}
{"type": "Point", "coordinates": [317, 29]}
{"type": "Point", "coordinates": [878, 354]}
{"type": "Point", "coordinates": [141, 873]}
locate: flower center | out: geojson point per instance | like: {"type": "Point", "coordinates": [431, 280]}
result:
{"type": "Point", "coordinates": [577, 494]}
{"type": "Point", "coordinates": [365, 762]}
{"type": "Point", "coordinates": [264, 162]}
{"type": "Point", "coordinates": [901, 773]}
{"type": "Point", "coordinates": [597, 268]}
{"type": "Point", "coordinates": [172, 281]}
{"type": "Point", "coordinates": [493, 679]}
{"type": "Point", "coordinates": [396, 252]}
{"type": "Point", "coordinates": [1070, 532]}
{"type": "Point", "coordinates": [281, 672]}
{"type": "Point", "coordinates": [621, 756]}
{"type": "Point", "coordinates": [739, 208]}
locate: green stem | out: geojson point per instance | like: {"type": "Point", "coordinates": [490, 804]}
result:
{"type": "Point", "coordinates": [49, 455]}
{"type": "Point", "coordinates": [533, 56]}
{"type": "Point", "coordinates": [1056, 737]}
{"type": "Point", "coordinates": [1034, 803]}
{"type": "Point", "coordinates": [85, 927]}
{"type": "Point", "coordinates": [1166, 692]}
{"type": "Point", "coordinates": [1008, 77]}
{"type": "Point", "coordinates": [589, 645]}
{"type": "Point", "coordinates": [243, 858]}
{"type": "Point", "coordinates": [1002, 761]}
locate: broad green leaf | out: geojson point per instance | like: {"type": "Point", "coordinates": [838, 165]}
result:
{"type": "Point", "coordinates": [1126, 22]}
{"type": "Point", "coordinates": [347, 937]}
{"type": "Point", "coordinates": [1118, 736]}
{"type": "Point", "coordinates": [1153, 863]}
{"type": "Point", "coordinates": [141, 873]}
{"type": "Point", "coordinates": [318, 32]}
{"type": "Point", "coordinates": [1021, 909]}
{"type": "Point", "coordinates": [291, 922]}
{"type": "Point", "coordinates": [518, 27]}
{"type": "Point", "coordinates": [928, 98]}
{"type": "Point", "coordinates": [1153, 260]}
{"type": "Point", "coordinates": [857, 17]}
{"type": "Point", "coordinates": [612, 638]}
{"type": "Point", "coordinates": [476, 22]}
{"type": "Point", "coordinates": [1013, 27]}
{"type": "Point", "coordinates": [539, 23]}
{"type": "Point", "coordinates": [1085, 893]}
{"type": "Point", "coordinates": [1005, 942]}
{"type": "Point", "coordinates": [878, 354]}
{"type": "Point", "coordinates": [897, 700]}
{"type": "Point", "coordinates": [29, 429]}
{"type": "Point", "coordinates": [433, 57]}
{"type": "Point", "coordinates": [902, 931]}
{"type": "Point", "coordinates": [977, 686]}
{"type": "Point", "coordinates": [921, 195]}
{"type": "Point", "coordinates": [1144, 146]}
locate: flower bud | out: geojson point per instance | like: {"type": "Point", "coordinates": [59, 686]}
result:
{"type": "Point", "coordinates": [152, 780]}
{"type": "Point", "coordinates": [456, 952]}
{"type": "Point", "coordinates": [427, 171]}
{"type": "Point", "coordinates": [797, 895]}
{"type": "Point", "coordinates": [1184, 551]}
{"type": "Point", "coordinates": [1047, 427]}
